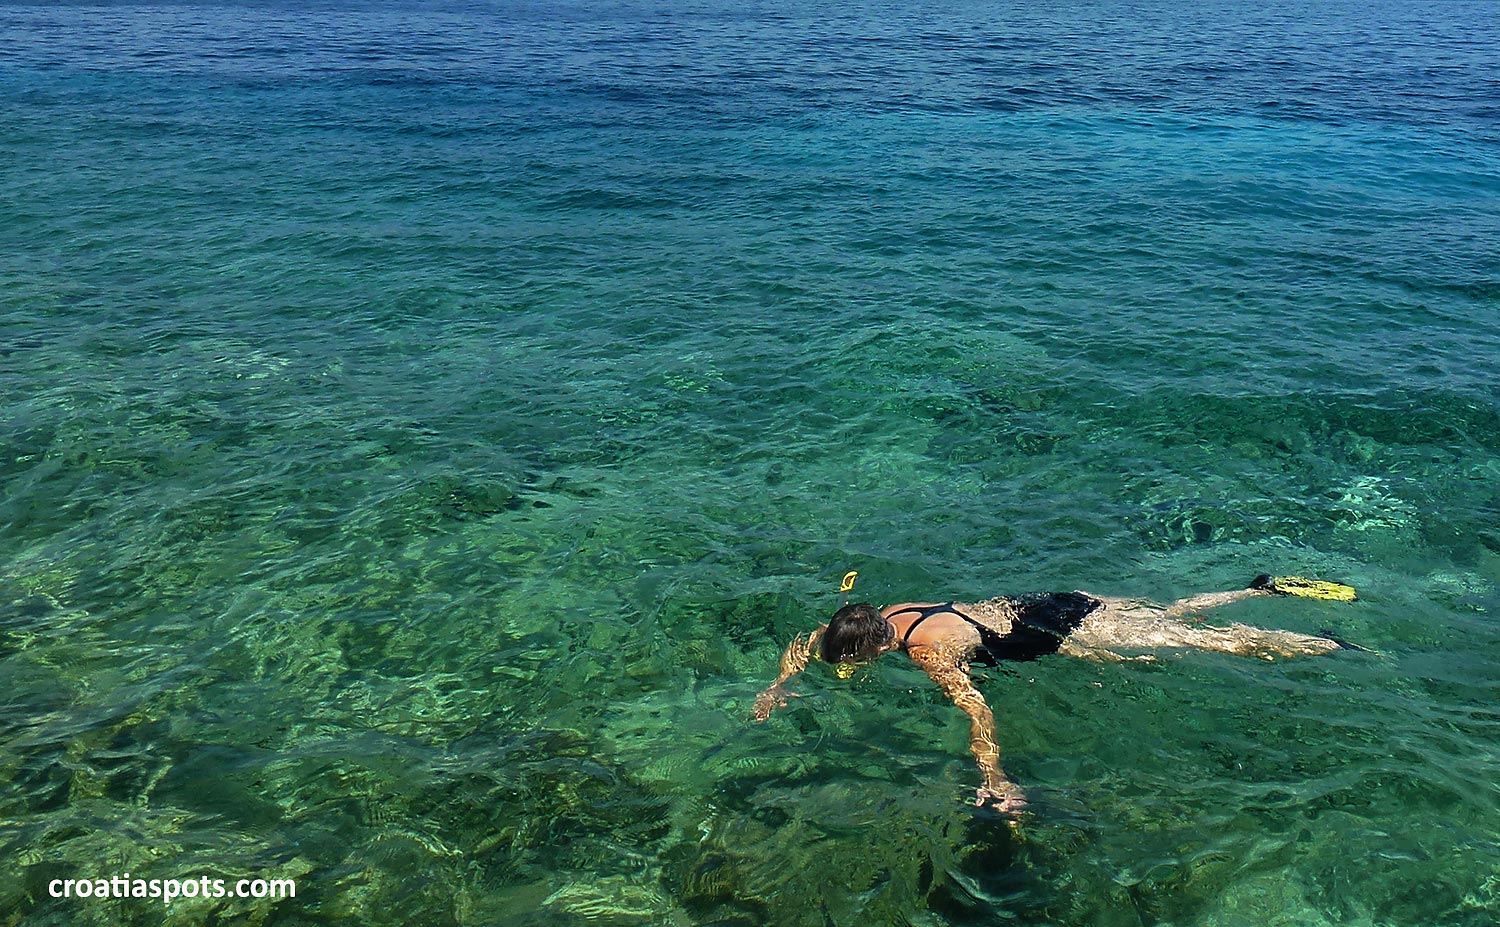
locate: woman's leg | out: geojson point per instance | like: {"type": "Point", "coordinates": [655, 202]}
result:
{"type": "Point", "coordinates": [1206, 600]}
{"type": "Point", "coordinates": [1126, 624]}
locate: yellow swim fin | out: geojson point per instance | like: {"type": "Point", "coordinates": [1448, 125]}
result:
{"type": "Point", "coordinates": [1306, 588]}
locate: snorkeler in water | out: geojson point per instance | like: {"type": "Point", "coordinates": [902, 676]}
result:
{"type": "Point", "coordinates": [943, 639]}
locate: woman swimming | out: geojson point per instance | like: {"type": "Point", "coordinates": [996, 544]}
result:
{"type": "Point", "coordinates": [943, 639]}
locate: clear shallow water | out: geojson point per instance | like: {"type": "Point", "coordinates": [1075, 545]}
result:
{"type": "Point", "coordinates": [424, 425]}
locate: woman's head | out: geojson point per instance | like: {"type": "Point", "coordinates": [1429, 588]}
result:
{"type": "Point", "coordinates": [857, 632]}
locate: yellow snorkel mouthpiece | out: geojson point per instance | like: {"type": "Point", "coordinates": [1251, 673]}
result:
{"type": "Point", "coordinates": [1306, 588]}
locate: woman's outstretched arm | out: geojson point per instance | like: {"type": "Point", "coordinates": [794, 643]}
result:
{"type": "Point", "coordinates": [793, 661]}
{"type": "Point", "coordinates": [948, 671]}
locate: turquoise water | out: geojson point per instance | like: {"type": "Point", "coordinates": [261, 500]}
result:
{"type": "Point", "coordinates": [425, 423]}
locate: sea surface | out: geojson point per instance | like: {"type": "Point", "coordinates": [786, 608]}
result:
{"type": "Point", "coordinates": [422, 425]}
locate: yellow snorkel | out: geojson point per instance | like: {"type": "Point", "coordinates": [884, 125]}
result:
{"type": "Point", "coordinates": [846, 586]}
{"type": "Point", "coordinates": [846, 668]}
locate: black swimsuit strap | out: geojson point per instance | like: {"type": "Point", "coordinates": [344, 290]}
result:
{"type": "Point", "coordinates": [925, 612]}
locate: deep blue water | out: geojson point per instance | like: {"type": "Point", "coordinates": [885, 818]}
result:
{"type": "Point", "coordinates": [423, 425]}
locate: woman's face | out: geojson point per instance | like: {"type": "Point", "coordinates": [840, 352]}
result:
{"type": "Point", "coordinates": [846, 668]}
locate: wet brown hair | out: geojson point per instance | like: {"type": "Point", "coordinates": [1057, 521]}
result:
{"type": "Point", "coordinates": [854, 630]}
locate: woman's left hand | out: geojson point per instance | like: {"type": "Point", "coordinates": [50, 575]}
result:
{"type": "Point", "coordinates": [1007, 798]}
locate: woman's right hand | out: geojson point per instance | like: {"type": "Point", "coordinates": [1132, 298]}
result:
{"type": "Point", "coordinates": [1005, 797]}
{"type": "Point", "coordinates": [769, 700]}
